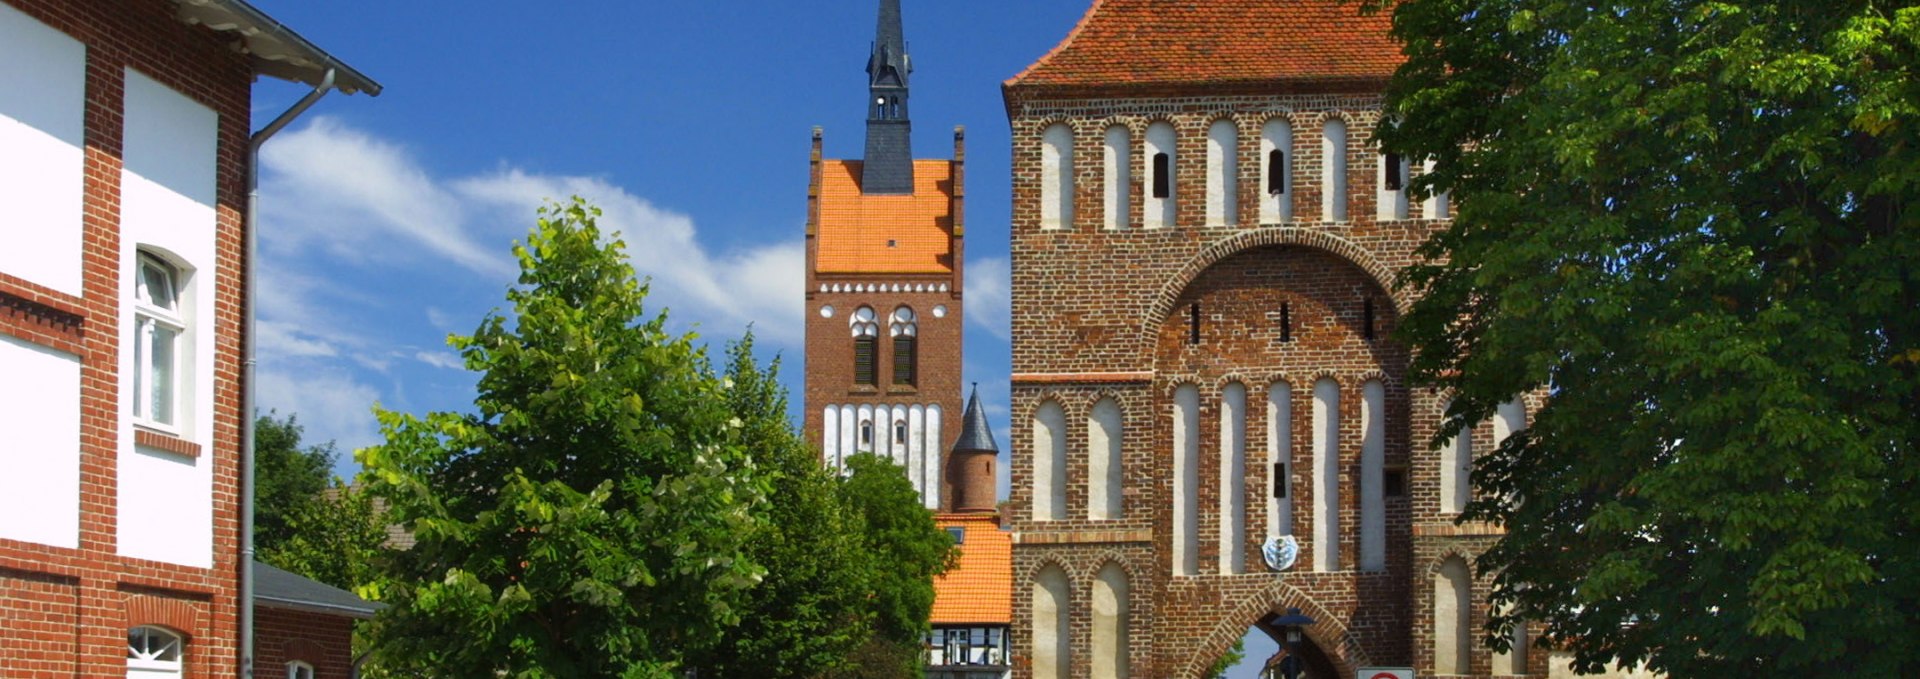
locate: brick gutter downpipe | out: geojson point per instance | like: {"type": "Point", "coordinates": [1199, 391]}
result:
{"type": "Point", "coordinates": [246, 379]}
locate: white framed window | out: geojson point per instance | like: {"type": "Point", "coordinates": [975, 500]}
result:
{"type": "Point", "coordinates": [159, 326]}
{"type": "Point", "coordinates": [299, 670]}
{"type": "Point", "coordinates": [154, 652]}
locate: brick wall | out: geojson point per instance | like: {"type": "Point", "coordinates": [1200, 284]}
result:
{"type": "Point", "coordinates": [283, 635]}
{"type": "Point", "coordinates": [1103, 313]}
{"type": "Point", "coordinates": [81, 601]}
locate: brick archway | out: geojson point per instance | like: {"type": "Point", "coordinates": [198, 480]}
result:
{"type": "Point", "coordinates": [1197, 265]}
{"type": "Point", "coordinates": [1327, 633]}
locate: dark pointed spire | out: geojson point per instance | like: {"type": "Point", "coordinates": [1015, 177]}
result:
{"type": "Point", "coordinates": [975, 435]}
{"type": "Point", "coordinates": [888, 167]}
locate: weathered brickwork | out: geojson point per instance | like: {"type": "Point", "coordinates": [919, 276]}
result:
{"type": "Point", "coordinates": [321, 640]}
{"type": "Point", "coordinates": [1106, 313]}
{"type": "Point", "coordinates": [66, 611]}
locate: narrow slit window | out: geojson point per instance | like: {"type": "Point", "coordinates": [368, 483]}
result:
{"type": "Point", "coordinates": [1193, 323]}
{"type": "Point", "coordinates": [1276, 172]}
{"type": "Point", "coordinates": [1394, 483]}
{"type": "Point", "coordinates": [899, 432]}
{"type": "Point", "coordinates": [1162, 176]}
{"type": "Point", "coordinates": [1394, 179]}
{"type": "Point", "coordinates": [1279, 480]}
{"type": "Point", "coordinates": [1366, 312]}
{"type": "Point", "coordinates": [1286, 322]}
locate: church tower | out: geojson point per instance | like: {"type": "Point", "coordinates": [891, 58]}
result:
{"type": "Point", "coordinates": [884, 253]}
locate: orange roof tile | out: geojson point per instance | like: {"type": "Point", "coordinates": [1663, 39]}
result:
{"type": "Point", "coordinates": [1157, 42]}
{"type": "Point", "coordinates": [885, 234]}
{"type": "Point", "coordinates": [979, 588]}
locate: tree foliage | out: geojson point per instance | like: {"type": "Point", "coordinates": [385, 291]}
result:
{"type": "Point", "coordinates": [814, 607]}
{"type": "Point", "coordinates": [287, 476]}
{"type": "Point", "coordinates": [590, 518]}
{"type": "Point", "coordinates": [1685, 225]}
{"type": "Point", "coordinates": [306, 520]}
{"type": "Point", "coordinates": [903, 549]}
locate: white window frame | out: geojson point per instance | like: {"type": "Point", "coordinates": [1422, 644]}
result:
{"type": "Point", "coordinates": [299, 670]}
{"type": "Point", "coordinates": [145, 661]}
{"type": "Point", "coordinates": [148, 318]}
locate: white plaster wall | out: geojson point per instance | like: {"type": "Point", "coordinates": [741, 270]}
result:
{"type": "Point", "coordinates": [1233, 474]}
{"type": "Point", "coordinates": [1103, 461]}
{"type": "Point", "coordinates": [167, 206]}
{"type": "Point", "coordinates": [1456, 466]}
{"type": "Point", "coordinates": [1049, 462]}
{"type": "Point", "coordinates": [40, 491]}
{"type": "Point", "coordinates": [1326, 474]}
{"type": "Point", "coordinates": [1513, 661]}
{"type": "Point", "coordinates": [1436, 205]}
{"type": "Point", "coordinates": [1223, 201]}
{"type": "Point", "coordinates": [849, 431]}
{"type": "Point", "coordinates": [1373, 457]}
{"type": "Point", "coordinates": [1390, 204]}
{"type": "Point", "coordinates": [1159, 211]}
{"type": "Point", "coordinates": [1508, 418]}
{"type": "Point", "coordinates": [1452, 617]}
{"type": "Point", "coordinates": [1052, 653]}
{"type": "Point", "coordinates": [42, 151]}
{"type": "Point", "coordinates": [1118, 174]}
{"type": "Point", "coordinates": [830, 437]}
{"type": "Point", "coordinates": [931, 473]}
{"type": "Point", "coordinates": [1186, 480]}
{"type": "Point", "coordinates": [917, 452]}
{"type": "Point", "coordinates": [1560, 666]}
{"type": "Point", "coordinates": [1056, 177]}
{"type": "Point", "coordinates": [863, 422]}
{"type": "Point", "coordinates": [897, 444]}
{"type": "Point", "coordinates": [1333, 171]}
{"type": "Point", "coordinates": [1280, 451]}
{"type": "Point", "coordinates": [1276, 134]}
{"type": "Point", "coordinates": [1110, 622]}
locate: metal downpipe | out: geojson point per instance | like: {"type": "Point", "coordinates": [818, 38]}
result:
{"type": "Point", "coordinates": [251, 233]}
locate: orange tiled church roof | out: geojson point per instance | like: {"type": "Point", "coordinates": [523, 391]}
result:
{"type": "Point", "coordinates": [882, 233]}
{"type": "Point", "coordinates": [978, 589]}
{"type": "Point", "coordinates": [1148, 42]}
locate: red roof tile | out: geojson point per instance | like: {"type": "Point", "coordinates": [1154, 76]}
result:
{"type": "Point", "coordinates": [1167, 42]}
{"type": "Point", "coordinates": [978, 589]}
{"type": "Point", "coordinates": [905, 234]}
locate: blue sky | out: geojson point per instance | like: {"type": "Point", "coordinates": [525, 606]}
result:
{"type": "Point", "coordinates": [386, 221]}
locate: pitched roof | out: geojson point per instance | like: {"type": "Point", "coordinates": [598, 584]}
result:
{"type": "Point", "coordinates": [979, 588]}
{"type": "Point", "coordinates": [275, 588]}
{"type": "Point", "coordinates": [899, 234]}
{"type": "Point", "coordinates": [1163, 42]}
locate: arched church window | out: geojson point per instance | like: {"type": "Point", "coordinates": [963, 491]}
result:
{"type": "Point", "coordinates": [866, 333]}
{"type": "Point", "coordinates": [905, 331]}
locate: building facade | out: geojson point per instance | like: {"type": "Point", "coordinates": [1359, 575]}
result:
{"type": "Point", "coordinates": [124, 151]}
{"type": "Point", "coordinates": [1205, 238]}
{"type": "Point", "coordinates": [885, 242]}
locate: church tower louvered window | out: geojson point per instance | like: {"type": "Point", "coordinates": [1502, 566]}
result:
{"type": "Point", "coordinates": [905, 334]}
{"type": "Point", "coordinates": [866, 335]}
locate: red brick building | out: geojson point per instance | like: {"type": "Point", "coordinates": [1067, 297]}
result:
{"type": "Point", "coordinates": [885, 242]}
{"type": "Point", "coordinates": [1204, 243]}
{"type": "Point", "coordinates": [125, 142]}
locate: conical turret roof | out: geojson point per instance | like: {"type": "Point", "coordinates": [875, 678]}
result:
{"type": "Point", "coordinates": [974, 432]}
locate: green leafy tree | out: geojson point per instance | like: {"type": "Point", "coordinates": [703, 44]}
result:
{"type": "Point", "coordinates": [904, 550]}
{"type": "Point", "coordinates": [305, 519]}
{"type": "Point", "coordinates": [1234, 654]}
{"type": "Point", "coordinates": [590, 517]}
{"type": "Point", "coordinates": [1685, 225]}
{"type": "Point", "coordinates": [813, 609]}
{"type": "Point", "coordinates": [287, 476]}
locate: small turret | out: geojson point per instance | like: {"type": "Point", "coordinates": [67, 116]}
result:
{"type": "Point", "coordinates": [970, 464]}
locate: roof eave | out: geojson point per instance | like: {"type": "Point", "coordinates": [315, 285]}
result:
{"type": "Point", "coordinates": [276, 50]}
{"type": "Point", "coordinates": [356, 612]}
{"type": "Point", "coordinates": [1016, 94]}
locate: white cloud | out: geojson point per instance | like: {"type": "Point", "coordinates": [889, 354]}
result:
{"type": "Point", "coordinates": [367, 201]}
{"type": "Point", "coordinates": [989, 304]}
{"type": "Point", "coordinates": [332, 406]}
{"type": "Point", "coordinates": [440, 359]}
{"type": "Point", "coordinates": [283, 339]}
